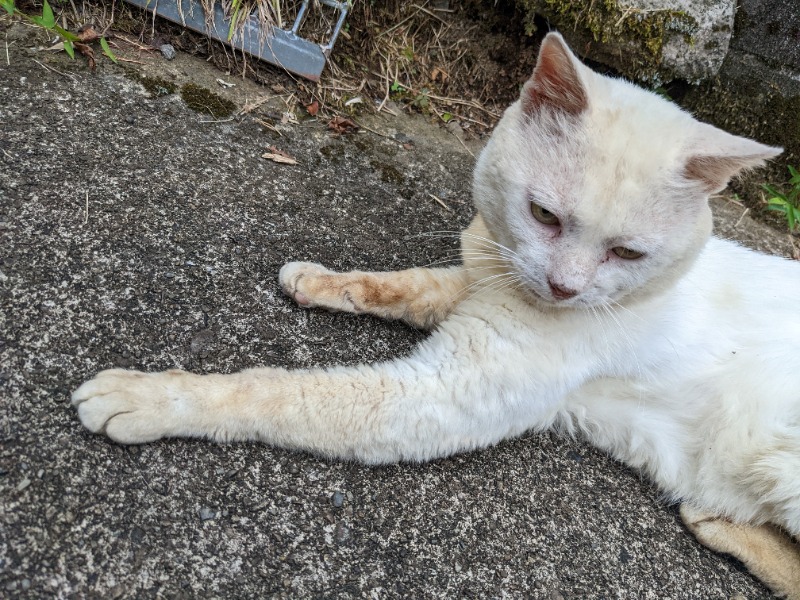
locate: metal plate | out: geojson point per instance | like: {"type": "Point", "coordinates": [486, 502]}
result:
{"type": "Point", "coordinates": [283, 48]}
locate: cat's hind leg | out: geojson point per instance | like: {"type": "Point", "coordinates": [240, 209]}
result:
{"type": "Point", "coordinates": [766, 551]}
{"type": "Point", "coordinates": [421, 297]}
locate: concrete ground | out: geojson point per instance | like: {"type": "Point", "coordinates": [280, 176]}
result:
{"type": "Point", "coordinates": [136, 232]}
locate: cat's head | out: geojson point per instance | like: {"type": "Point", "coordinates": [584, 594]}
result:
{"type": "Point", "coordinates": [599, 189]}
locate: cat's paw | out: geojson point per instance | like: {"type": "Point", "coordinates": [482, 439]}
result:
{"type": "Point", "coordinates": [291, 278]}
{"type": "Point", "coordinates": [131, 407]}
{"type": "Point", "coordinates": [710, 530]}
{"type": "Point", "coordinates": [312, 285]}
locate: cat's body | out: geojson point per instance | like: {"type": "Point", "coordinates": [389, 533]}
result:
{"type": "Point", "coordinates": [590, 299]}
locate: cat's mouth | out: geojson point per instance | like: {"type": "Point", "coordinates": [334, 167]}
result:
{"type": "Point", "coordinates": [549, 299]}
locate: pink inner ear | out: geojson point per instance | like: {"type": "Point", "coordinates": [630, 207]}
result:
{"type": "Point", "coordinates": [711, 171]}
{"type": "Point", "coordinates": [714, 172]}
{"type": "Point", "coordinates": [555, 82]}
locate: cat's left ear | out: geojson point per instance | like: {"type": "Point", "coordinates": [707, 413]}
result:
{"type": "Point", "coordinates": [716, 156]}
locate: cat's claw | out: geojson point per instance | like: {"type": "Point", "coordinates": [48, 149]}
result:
{"type": "Point", "coordinates": [130, 407]}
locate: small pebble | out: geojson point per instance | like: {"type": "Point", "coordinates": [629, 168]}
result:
{"type": "Point", "coordinates": [23, 484]}
{"type": "Point", "coordinates": [206, 513]}
{"type": "Point", "coordinates": [337, 499]}
{"type": "Point", "coordinates": [454, 128]}
{"type": "Point", "coordinates": [168, 50]}
{"type": "Point", "coordinates": [341, 533]}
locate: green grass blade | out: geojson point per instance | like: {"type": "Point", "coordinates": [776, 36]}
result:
{"type": "Point", "coordinates": [65, 35]}
{"type": "Point", "coordinates": [236, 5]}
{"type": "Point", "coordinates": [107, 51]}
{"type": "Point", "coordinates": [48, 18]}
{"type": "Point", "coordinates": [775, 193]}
{"type": "Point", "coordinates": [8, 6]}
{"type": "Point", "coordinates": [69, 48]}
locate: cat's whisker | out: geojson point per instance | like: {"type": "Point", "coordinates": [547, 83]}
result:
{"type": "Point", "coordinates": [479, 283]}
{"type": "Point", "coordinates": [625, 334]}
{"type": "Point", "coordinates": [492, 283]}
{"type": "Point", "coordinates": [455, 260]}
{"type": "Point", "coordinates": [594, 311]}
{"type": "Point", "coordinates": [491, 244]}
{"type": "Point", "coordinates": [626, 309]}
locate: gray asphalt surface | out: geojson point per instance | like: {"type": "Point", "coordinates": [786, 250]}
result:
{"type": "Point", "coordinates": [172, 261]}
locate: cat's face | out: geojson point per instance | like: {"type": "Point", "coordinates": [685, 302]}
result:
{"type": "Point", "coordinates": [599, 189]}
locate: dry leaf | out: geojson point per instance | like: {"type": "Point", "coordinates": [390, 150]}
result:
{"type": "Point", "coordinates": [439, 74]}
{"type": "Point", "coordinates": [279, 156]}
{"type": "Point", "coordinates": [87, 51]}
{"type": "Point", "coordinates": [88, 34]}
{"type": "Point", "coordinates": [313, 108]}
{"type": "Point", "coordinates": [342, 125]}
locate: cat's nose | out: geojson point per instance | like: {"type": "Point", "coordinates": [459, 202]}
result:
{"type": "Point", "coordinates": [561, 292]}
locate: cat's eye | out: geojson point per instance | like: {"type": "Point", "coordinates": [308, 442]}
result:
{"type": "Point", "coordinates": [543, 215]}
{"type": "Point", "coordinates": [627, 253]}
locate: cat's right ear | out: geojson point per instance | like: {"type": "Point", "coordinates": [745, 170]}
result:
{"type": "Point", "coordinates": [556, 82]}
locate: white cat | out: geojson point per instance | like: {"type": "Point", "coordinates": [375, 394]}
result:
{"type": "Point", "coordinates": [591, 299]}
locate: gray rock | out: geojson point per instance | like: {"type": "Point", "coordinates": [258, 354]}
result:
{"type": "Point", "coordinates": [168, 51]}
{"type": "Point", "coordinates": [206, 513]}
{"type": "Point", "coordinates": [770, 30]}
{"type": "Point", "coordinates": [648, 40]}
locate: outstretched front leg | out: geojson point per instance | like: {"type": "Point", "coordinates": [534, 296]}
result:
{"type": "Point", "coordinates": [434, 403]}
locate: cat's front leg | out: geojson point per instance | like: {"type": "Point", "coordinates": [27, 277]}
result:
{"type": "Point", "coordinates": [437, 402]}
{"type": "Point", "coordinates": [421, 297]}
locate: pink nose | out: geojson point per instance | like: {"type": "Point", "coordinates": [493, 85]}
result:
{"type": "Point", "coordinates": [560, 292]}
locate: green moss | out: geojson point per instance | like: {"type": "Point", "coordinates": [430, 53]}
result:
{"type": "Point", "coordinates": [388, 173]}
{"type": "Point", "coordinates": [205, 101]}
{"type": "Point", "coordinates": [155, 86]}
{"type": "Point", "coordinates": [605, 21]}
